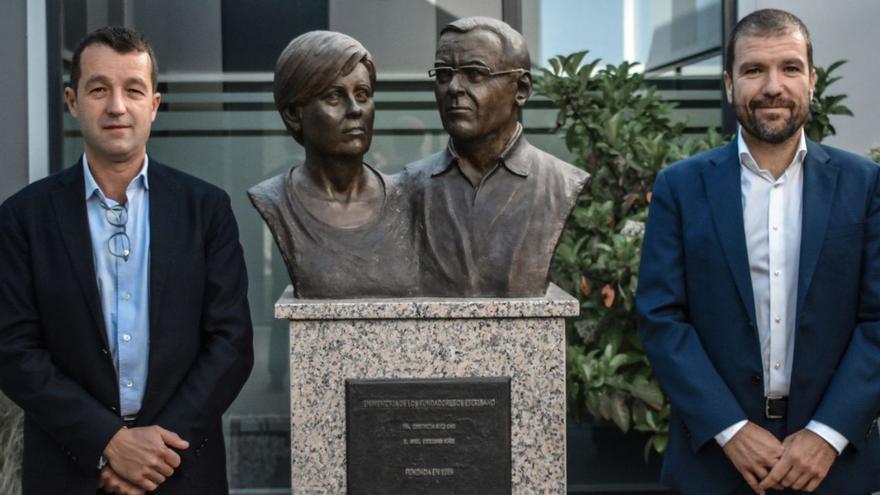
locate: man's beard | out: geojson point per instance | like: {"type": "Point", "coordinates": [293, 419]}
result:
{"type": "Point", "coordinates": [759, 128]}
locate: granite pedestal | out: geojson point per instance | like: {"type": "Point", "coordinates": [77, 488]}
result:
{"type": "Point", "coordinates": [335, 340]}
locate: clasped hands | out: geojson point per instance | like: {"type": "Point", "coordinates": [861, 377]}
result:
{"type": "Point", "coordinates": [140, 459]}
{"type": "Point", "coordinates": [799, 462]}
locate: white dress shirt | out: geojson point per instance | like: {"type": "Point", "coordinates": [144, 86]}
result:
{"type": "Point", "coordinates": [772, 213]}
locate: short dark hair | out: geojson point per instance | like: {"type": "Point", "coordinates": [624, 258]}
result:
{"type": "Point", "coordinates": [309, 65]}
{"type": "Point", "coordinates": [516, 53]}
{"type": "Point", "coordinates": [122, 40]}
{"type": "Point", "coordinates": [766, 23]}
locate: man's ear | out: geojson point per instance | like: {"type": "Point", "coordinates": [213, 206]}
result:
{"type": "Point", "coordinates": [292, 117]}
{"type": "Point", "coordinates": [728, 87]}
{"type": "Point", "coordinates": [70, 100]}
{"type": "Point", "coordinates": [157, 99]}
{"type": "Point", "coordinates": [523, 89]}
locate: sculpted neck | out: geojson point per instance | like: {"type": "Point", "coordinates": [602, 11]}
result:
{"type": "Point", "coordinates": [340, 177]}
{"type": "Point", "coordinates": [477, 156]}
{"type": "Point", "coordinates": [774, 158]}
{"type": "Point", "coordinates": [113, 177]}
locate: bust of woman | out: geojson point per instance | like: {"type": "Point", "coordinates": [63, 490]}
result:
{"type": "Point", "coordinates": [341, 226]}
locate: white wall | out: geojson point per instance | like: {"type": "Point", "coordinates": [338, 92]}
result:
{"type": "Point", "coordinates": [843, 30]}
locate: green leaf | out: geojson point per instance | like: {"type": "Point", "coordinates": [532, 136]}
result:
{"type": "Point", "coordinates": [840, 110]}
{"type": "Point", "coordinates": [834, 65]}
{"type": "Point", "coordinates": [660, 441]}
{"type": "Point", "coordinates": [619, 412]}
{"type": "Point", "coordinates": [647, 391]}
{"type": "Point", "coordinates": [576, 59]}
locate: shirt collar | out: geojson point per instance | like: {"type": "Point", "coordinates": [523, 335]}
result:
{"type": "Point", "coordinates": [748, 161]}
{"type": "Point", "coordinates": [92, 187]}
{"type": "Point", "coordinates": [513, 157]}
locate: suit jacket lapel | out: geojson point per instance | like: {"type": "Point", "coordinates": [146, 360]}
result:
{"type": "Point", "coordinates": [70, 208]}
{"type": "Point", "coordinates": [164, 198]}
{"type": "Point", "coordinates": [724, 191]}
{"type": "Point", "coordinates": [820, 180]}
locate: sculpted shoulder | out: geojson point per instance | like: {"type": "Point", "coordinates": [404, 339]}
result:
{"type": "Point", "coordinates": [424, 167]}
{"type": "Point", "coordinates": [268, 191]}
{"type": "Point", "coordinates": [560, 174]}
{"type": "Point", "coordinates": [559, 166]}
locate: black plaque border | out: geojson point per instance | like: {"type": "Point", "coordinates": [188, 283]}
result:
{"type": "Point", "coordinates": [505, 380]}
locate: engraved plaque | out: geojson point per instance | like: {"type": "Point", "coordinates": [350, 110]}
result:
{"type": "Point", "coordinates": [428, 436]}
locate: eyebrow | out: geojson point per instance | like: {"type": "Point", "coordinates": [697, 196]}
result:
{"type": "Point", "coordinates": [443, 63]}
{"type": "Point", "coordinates": [96, 79]}
{"type": "Point", "coordinates": [794, 61]}
{"type": "Point", "coordinates": [100, 78]}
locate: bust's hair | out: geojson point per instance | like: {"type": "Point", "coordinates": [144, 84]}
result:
{"type": "Point", "coordinates": [309, 65]}
{"type": "Point", "coordinates": [766, 23]}
{"type": "Point", "coordinates": [515, 51]}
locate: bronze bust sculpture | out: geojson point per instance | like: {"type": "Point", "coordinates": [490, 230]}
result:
{"type": "Point", "coordinates": [490, 208]}
{"type": "Point", "coordinates": [340, 225]}
{"type": "Point", "coordinates": [480, 218]}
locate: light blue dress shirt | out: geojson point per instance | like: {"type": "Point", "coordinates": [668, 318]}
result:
{"type": "Point", "coordinates": [124, 285]}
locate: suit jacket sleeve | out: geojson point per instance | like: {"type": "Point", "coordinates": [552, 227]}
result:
{"type": "Point", "coordinates": [852, 399]}
{"type": "Point", "coordinates": [27, 373]}
{"type": "Point", "coordinates": [673, 345]}
{"type": "Point", "coordinates": [226, 355]}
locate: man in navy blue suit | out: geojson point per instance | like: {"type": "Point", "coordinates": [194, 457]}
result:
{"type": "Point", "coordinates": [759, 290]}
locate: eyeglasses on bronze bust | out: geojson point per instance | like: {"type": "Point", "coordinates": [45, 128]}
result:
{"type": "Point", "coordinates": [474, 73]}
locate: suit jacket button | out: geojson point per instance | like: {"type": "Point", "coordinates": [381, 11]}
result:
{"type": "Point", "coordinates": [756, 379]}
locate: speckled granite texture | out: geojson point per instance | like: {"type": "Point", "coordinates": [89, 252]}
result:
{"type": "Point", "coordinates": [332, 340]}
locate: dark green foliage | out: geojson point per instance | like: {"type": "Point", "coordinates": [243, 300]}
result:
{"type": "Point", "coordinates": [622, 134]}
{"type": "Point", "coordinates": [823, 106]}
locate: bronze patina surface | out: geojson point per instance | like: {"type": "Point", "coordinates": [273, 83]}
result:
{"type": "Point", "coordinates": [482, 218]}
{"type": "Point", "coordinates": [341, 226]}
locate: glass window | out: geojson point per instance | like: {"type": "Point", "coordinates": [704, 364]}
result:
{"type": "Point", "coordinates": [655, 33]}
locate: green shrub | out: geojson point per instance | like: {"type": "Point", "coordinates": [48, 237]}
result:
{"type": "Point", "coordinates": [823, 106]}
{"type": "Point", "coordinates": [622, 134]}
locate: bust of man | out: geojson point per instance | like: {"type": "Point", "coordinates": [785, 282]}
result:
{"type": "Point", "coordinates": [490, 208]}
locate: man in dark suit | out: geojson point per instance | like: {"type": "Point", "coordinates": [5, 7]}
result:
{"type": "Point", "coordinates": [759, 290]}
{"type": "Point", "coordinates": [124, 325]}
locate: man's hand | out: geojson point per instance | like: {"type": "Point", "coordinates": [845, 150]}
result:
{"type": "Point", "coordinates": [754, 451]}
{"type": "Point", "coordinates": [143, 455]}
{"type": "Point", "coordinates": [111, 482]}
{"type": "Point", "coordinates": [804, 463]}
